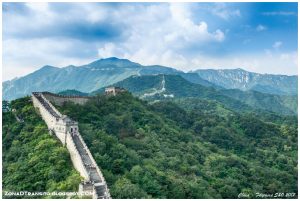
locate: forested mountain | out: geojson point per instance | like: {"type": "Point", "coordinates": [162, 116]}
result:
{"type": "Point", "coordinates": [104, 72]}
{"type": "Point", "coordinates": [244, 80]}
{"type": "Point", "coordinates": [162, 150]}
{"type": "Point", "coordinates": [187, 148]}
{"type": "Point", "coordinates": [32, 159]}
{"type": "Point", "coordinates": [156, 87]}
{"type": "Point", "coordinates": [84, 78]}
{"type": "Point", "coordinates": [171, 135]}
{"type": "Point", "coordinates": [281, 104]}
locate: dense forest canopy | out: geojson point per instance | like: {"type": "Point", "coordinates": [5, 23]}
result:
{"type": "Point", "coordinates": [33, 160]}
{"type": "Point", "coordinates": [201, 150]}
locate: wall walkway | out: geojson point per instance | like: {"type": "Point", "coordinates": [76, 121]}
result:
{"type": "Point", "coordinates": [67, 131]}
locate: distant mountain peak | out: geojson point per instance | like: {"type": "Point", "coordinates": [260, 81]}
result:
{"type": "Point", "coordinates": [106, 71]}
{"type": "Point", "coordinates": [240, 69]}
{"type": "Point", "coordinates": [113, 62]}
{"type": "Point", "coordinates": [47, 67]}
{"type": "Point", "coordinates": [70, 66]}
{"type": "Point", "coordinates": [225, 70]}
{"type": "Point", "coordinates": [113, 59]}
{"type": "Point", "coordinates": [244, 80]}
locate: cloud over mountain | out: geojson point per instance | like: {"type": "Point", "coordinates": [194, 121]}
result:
{"type": "Point", "coordinates": [171, 34]}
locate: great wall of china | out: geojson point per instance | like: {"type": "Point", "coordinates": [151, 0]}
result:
{"type": "Point", "coordinates": [67, 132]}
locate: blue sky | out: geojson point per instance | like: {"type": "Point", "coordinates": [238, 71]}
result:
{"type": "Point", "coordinates": [259, 37]}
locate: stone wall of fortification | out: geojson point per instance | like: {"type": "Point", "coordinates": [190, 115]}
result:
{"type": "Point", "coordinates": [47, 117]}
{"type": "Point", "coordinates": [62, 136]}
{"type": "Point", "coordinates": [76, 158]}
{"type": "Point", "coordinates": [55, 122]}
{"type": "Point", "coordinates": [60, 99]}
{"type": "Point", "coordinates": [53, 108]}
{"type": "Point", "coordinates": [94, 162]}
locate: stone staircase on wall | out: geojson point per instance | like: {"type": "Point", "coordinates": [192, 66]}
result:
{"type": "Point", "coordinates": [67, 131]}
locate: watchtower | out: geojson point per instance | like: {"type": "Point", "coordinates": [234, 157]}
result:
{"type": "Point", "coordinates": [114, 90]}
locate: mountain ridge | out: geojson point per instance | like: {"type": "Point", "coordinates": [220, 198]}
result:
{"type": "Point", "coordinates": [104, 72]}
{"type": "Point", "coordinates": [245, 80]}
{"type": "Point", "coordinates": [160, 87]}
{"type": "Point", "coordinates": [239, 69]}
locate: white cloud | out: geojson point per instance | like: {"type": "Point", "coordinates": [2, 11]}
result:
{"type": "Point", "coordinates": [94, 15]}
{"type": "Point", "coordinates": [155, 34]}
{"type": "Point", "coordinates": [41, 7]}
{"type": "Point", "coordinates": [180, 13]}
{"type": "Point", "coordinates": [219, 35]}
{"type": "Point", "coordinates": [261, 28]}
{"type": "Point", "coordinates": [282, 13]}
{"type": "Point", "coordinates": [268, 53]}
{"type": "Point", "coordinates": [221, 10]}
{"type": "Point", "coordinates": [151, 44]}
{"type": "Point", "coordinates": [109, 50]}
{"type": "Point", "coordinates": [163, 33]}
{"type": "Point", "coordinates": [277, 44]}
{"type": "Point", "coordinates": [186, 29]}
{"type": "Point", "coordinates": [261, 63]}
{"type": "Point", "coordinates": [290, 56]}
{"type": "Point", "coordinates": [285, 56]}
{"type": "Point", "coordinates": [45, 52]}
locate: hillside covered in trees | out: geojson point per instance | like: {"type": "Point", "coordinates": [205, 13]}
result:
{"type": "Point", "coordinates": [190, 149]}
{"type": "Point", "coordinates": [177, 86]}
{"type": "Point", "coordinates": [32, 159]}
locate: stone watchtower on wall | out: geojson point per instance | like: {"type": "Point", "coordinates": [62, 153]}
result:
{"type": "Point", "coordinates": [67, 132]}
{"type": "Point", "coordinates": [114, 90]}
{"type": "Point", "coordinates": [65, 125]}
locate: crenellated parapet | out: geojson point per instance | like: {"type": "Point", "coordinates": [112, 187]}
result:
{"type": "Point", "coordinates": [68, 133]}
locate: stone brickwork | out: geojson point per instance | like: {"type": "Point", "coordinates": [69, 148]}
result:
{"type": "Point", "coordinates": [68, 133]}
{"type": "Point", "coordinates": [113, 90]}
{"type": "Point", "coordinates": [60, 99]}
